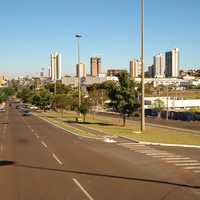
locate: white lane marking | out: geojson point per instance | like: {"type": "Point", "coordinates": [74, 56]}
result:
{"type": "Point", "coordinates": [108, 140]}
{"type": "Point", "coordinates": [159, 154]}
{"type": "Point", "coordinates": [149, 151]}
{"type": "Point", "coordinates": [175, 158]}
{"type": "Point", "coordinates": [187, 164]}
{"type": "Point", "coordinates": [182, 161]}
{"type": "Point", "coordinates": [197, 167]}
{"type": "Point", "coordinates": [44, 144]}
{"type": "Point", "coordinates": [37, 136]}
{"type": "Point", "coordinates": [169, 156]}
{"type": "Point", "coordinates": [57, 159]}
{"type": "Point", "coordinates": [83, 189]}
{"type": "Point", "coordinates": [196, 171]}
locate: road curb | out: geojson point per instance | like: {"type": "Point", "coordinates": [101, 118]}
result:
{"type": "Point", "coordinates": [57, 126]}
{"type": "Point", "coordinates": [171, 145]}
{"type": "Point", "coordinates": [124, 137]}
{"type": "Point", "coordinates": [161, 144]}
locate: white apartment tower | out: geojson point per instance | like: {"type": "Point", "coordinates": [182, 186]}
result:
{"type": "Point", "coordinates": [81, 69]}
{"type": "Point", "coordinates": [172, 59]}
{"type": "Point", "coordinates": [55, 66]}
{"type": "Point", "coordinates": [159, 66]}
{"type": "Point", "coordinates": [135, 68]}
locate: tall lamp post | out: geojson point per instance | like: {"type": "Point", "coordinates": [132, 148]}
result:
{"type": "Point", "coordinates": [142, 65]}
{"type": "Point", "coordinates": [78, 36]}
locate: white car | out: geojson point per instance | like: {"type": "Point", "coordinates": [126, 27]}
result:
{"type": "Point", "coordinates": [2, 110]}
{"type": "Point", "coordinates": [33, 107]}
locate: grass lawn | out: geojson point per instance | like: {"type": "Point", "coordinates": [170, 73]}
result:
{"type": "Point", "coordinates": [112, 126]}
{"type": "Point", "coordinates": [56, 119]}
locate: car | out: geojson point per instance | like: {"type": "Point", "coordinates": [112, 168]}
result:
{"type": "Point", "coordinates": [2, 110]}
{"type": "Point", "coordinates": [33, 107]}
{"type": "Point", "coordinates": [27, 113]}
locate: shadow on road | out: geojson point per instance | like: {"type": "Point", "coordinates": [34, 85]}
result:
{"type": "Point", "coordinates": [3, 123]}
{"type": "Point", "coordinates": [94, 123]}
{"type": "Point", "coordinates": [110, 176]}
{"type": "Point", "coordinates": [6, 163]}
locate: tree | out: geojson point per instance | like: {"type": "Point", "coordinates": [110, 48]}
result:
{"type": "Point", "coordinates": [26, 95]}
{"type": "Point", "coordinates": [123, 95]}
{"type": "Point", "coordinates": [46, 99]}
{"type": "Point", "coordinates": [158, 105]}
{"type": "Point", "coordinates": [85, 107]}
{"type": "Point", "coordinates": [36, 100]}
{"type": "Point", "coordinates": [97, 94]}
{"type": "Point", "coordinates": [62, 101]}
{"type": "Point", "coordinates": [60, 88]}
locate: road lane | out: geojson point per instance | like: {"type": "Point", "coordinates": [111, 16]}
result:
{"type": "Point", "coordinates": [103, 171]}
{"type": "Point", "coordinates": [94, 162]}
{"type": "Point", "coordinates": [21, 182]}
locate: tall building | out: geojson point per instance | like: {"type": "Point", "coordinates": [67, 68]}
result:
{"type": "Point", "coordinates": [81, 69]}
{"type": "Point", "coordinates": [55, 66]}
{"type": "Point", "coordinates": [159, 66]}
{"type": "Point", "coordinates": [172, 60]}
{"type": "Point", "coordinates": [95, 66]}
{"type": "Point", "coordinates": [135, 68]}
{"type": "Point", "coordinates": [151, 71]}
{"type": "Point", "coordinates": [114, 72]}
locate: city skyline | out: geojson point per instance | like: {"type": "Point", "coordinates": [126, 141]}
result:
{"type": "Point", "coordinates": [29, 44]}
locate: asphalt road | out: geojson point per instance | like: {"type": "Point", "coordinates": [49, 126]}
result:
{"type": "Point", "coordinates": [41, 162]}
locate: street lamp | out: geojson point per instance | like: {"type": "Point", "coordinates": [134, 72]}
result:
{"type": "Point", "coordinates": [78, 36]}
{"type": "Point", "coordinates": [142, 66]}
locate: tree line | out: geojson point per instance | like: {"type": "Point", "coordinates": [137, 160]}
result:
{"type": "Point", "coordinates": [119, 96]}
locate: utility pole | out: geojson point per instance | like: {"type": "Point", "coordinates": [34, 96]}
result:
{"type": "Point", "coordinates": [167, 113]}
{"type": "Point", "coordinates": [78, 36]}
{"type": "Point", "coordinates": [55, 83]}
{"type": "Point", "coordinates": [142, 66]}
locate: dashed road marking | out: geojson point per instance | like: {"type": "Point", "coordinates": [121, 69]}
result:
{"type": "Point", "coordinates": [37, 136]}
{"type": "Point", "coordinates": [182, 161]}
{"type": "Point", "coordinates": [44, 144]}
{"type": "Point", "coordinates": [164, 156]}
{"type": "Point", "coordinates": [180, 158]}
{"type": "Point", "coordinates": [83, 189]}
{"type": "Point", "coordinates": [194, 167]}
{"type": "Point", "coordinates": [196, 171]}
{"type": "Point", "coordinates": [187, 164]}
{"type": "Point", "coordinates": [57, 159]}
{"type": "Point", "coordinates": [154, 154]}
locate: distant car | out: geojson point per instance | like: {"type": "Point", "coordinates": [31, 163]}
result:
{"type": "Point", "coordinates": [27, 113]}
{"type": "Point", "coordinates": [33, 107]}
{"type": "Point", "coordinates": [2, 110]}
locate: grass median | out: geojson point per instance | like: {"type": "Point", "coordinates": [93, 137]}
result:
{"type": "Point", "coordinates": [113, 126]}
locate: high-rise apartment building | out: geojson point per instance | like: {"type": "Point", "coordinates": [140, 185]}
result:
{"type": "Point", "coordinates": [172, 60]}
{"type": "Point", "coordinates": [135, 68]}
{"type": "Point", "coordinates": [55, 66]}
{"type": "Point", "coordinates": [95, 66]}
{"type": "Point", "coordinates": [81, 69]}
{"type": "Point", "coordinates": [159, 66]}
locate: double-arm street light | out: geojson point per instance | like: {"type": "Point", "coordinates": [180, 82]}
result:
{"type": "Point", "coordinates": [78, 36]}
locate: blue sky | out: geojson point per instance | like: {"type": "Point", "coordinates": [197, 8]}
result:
{"type": "Point", "coordinates": [31, 30]}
